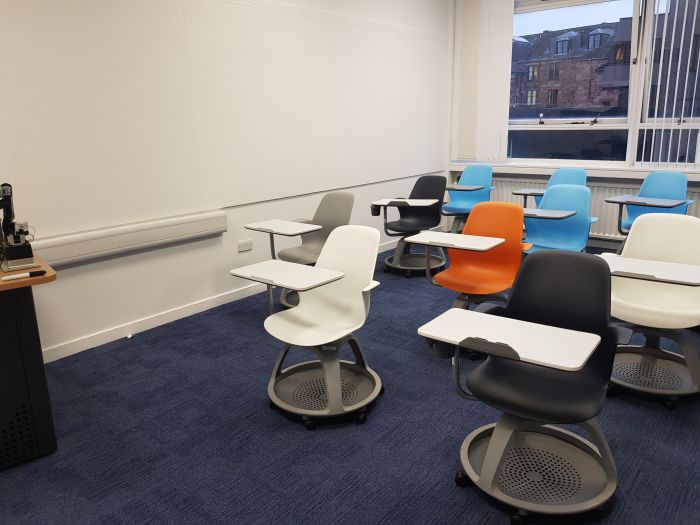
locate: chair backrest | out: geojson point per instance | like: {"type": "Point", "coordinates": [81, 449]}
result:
{"type": "Point", "coordinates": [564, 234]}
{"type": "Point", "coordinates": [567, 290]}
{"type": "Point", "coordinates": [426, 187]}
{"type": "Point", "coordinates": [334, 210]}
{"type": "Point", "coordinates": [664, 237]}
{"type": "Point", "coordinates": [494, 219]}
{"type": "Point", "coordinates": [661, 185]}
{"type": "Point", "coordinates": [473, 175]}
{"type": "Point", "coordinates": [350, 249]}
{"type": "Point", "coordinates": [575, 176]}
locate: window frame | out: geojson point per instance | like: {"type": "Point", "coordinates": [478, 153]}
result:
{"type": "Point", "coordinates": [571, 124]}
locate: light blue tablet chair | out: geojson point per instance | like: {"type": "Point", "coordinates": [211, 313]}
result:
{"type": "Point", "coordinates": [462, 202]}
{"type": "Point", "coordinates": [562, 234]}
{"type": "Point", "coordinates": [575, 176]}
{"type": "Point", "coordinates": [659, 185]}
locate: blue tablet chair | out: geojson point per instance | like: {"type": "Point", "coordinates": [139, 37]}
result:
{"type": "Point", "coordinates": [575, 176]}
{"type": "Point", "coordinates": [563, 234]}
{"type": "Point", "coordinates": [462, 202]}
{"type": "Point", "coordinates": [659, 185]}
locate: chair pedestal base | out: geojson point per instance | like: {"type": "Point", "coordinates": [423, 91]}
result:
{"type": "Point", "coordinates": [652, 371]}
{"type": "Point", "coordinates": [289, 298]}
{"type": "Point", "coordinates": [540, 468]}
{"type": "Point", "coordinates": [404, 261]}
{"type": "Point", "coordinates": [325, 387]}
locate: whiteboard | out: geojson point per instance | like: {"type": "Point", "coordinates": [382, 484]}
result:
{"type": "Point", "coordinates": [117, 111]}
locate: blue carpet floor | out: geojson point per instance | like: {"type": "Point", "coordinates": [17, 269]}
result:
{"type": "Point", "coordinates": [173, 426]}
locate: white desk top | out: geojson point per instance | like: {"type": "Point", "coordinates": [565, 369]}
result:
{"type": "Point", "coordinates": [647, 270]}
{"type": "Point", "coordinates": [529, 191]}
{"type": "Point", "coordinates": [298, 277]}
{"type": "Point", "coordinates": [463, 187]}
{"type": "Point", "coordinates": [405, 202]}
{"type": "Point", "coordinates": [528, 342]}
{"type": "Point", "coordinates": [538, 213]}
{"type": "Point", "coordinates": [282, 227]}
{"type": "Point", "coordinates": [455, 240]}
{"type": "Point", "coordinates": [645, 201]}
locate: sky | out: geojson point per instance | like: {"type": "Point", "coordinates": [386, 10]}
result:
{"type": "Point", "coordinates": [566, 17]}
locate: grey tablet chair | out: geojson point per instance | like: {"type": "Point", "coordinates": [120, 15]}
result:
{"type": "Point", "coordinates": [334, 210]}
{"type": "Point", "coordinates": [413, 220]}
{"type": "Point", "coordinates": [524, 460]}
{"type": "Point", "coordinates": [659, 309]}
{"type": "Point", "coordinates": [323, 323]}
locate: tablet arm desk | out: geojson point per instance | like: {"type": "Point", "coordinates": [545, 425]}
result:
{"type": "Point", "coordinates": [635, 200]}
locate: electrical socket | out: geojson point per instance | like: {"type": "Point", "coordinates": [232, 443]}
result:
{"type": "Point", "coordinates": [245, 245]}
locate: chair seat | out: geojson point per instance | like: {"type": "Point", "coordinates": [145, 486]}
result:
{"type": "Point", "coordinates": [303, 254]}
{"type": "Point", "coordinates": [456, 210]}
{"type": "Point", "coordinates": [312, 324]}
{"type": "Point", "coordinates": [472, 279]}
{"type": "Point", "coordinates": [654, 304]}
{"type": "Point", "coordinates": [536, 392]}
{"type": "Point", "coordinates": [410, 225]}
{"type": "Point", "coordinates": [541, 245]}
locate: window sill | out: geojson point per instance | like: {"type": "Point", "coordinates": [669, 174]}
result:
{"type": "Point", "coordinates": [596, 169]}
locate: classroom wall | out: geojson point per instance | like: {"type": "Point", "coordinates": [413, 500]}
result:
{"type": "Point", "coordinates": [119, 111]}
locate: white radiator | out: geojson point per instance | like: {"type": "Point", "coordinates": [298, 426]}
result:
{"type": "Point", "coordinates": [94, 244]}
{"type": "Point", "coordinates": [606, 227]}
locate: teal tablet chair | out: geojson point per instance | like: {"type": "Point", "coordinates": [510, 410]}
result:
{"type": "Point", "coordinates": [660, 185]}
{"type": "Point", "coordinates": [462, 202]}
{"type": "Point", "coordinates": [562, 234]}
{"type": "Point", "coordinates": [575, 176]}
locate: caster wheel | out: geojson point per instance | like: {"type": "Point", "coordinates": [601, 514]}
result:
{"type": "Point", "coordinates": [613, 391]}
{"type": "Point", "coordinates": [670, 403]}
{"type": "Point", "coordinates": [381, 391]}
{"type": "Point", "coordinates": [407, 275]}
{"type": "Point", "coordinates": [518, 519]}
{"type": "Point", "coordinates": [361, 418]}
{"type": "Point", "coordinates": [386, 270]}
{"type": "Point", "coordinates": [309, 424]}
{"type": "Point", "coordinates": [461, 479]}
{"type": "Point", "coordinates": [273, 406]}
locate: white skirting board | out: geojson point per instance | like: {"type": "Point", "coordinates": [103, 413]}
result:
{"type": "Point", "coordinates": [84, 246]}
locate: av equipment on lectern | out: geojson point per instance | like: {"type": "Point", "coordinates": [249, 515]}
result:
{"type": "Point", "coordinates": [26, 424]}
{"type": "Point", "coordinates": [16, 251]}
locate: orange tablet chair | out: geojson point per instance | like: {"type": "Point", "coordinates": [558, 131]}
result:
{"type": "Point", "coordinates": [479, 276]}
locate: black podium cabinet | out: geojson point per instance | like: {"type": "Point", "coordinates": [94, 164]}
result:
{"type": "Point", "coordinates": [26, 424]}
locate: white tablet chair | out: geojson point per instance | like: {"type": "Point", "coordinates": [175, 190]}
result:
{"type": "Point", "coordinates": [659, 309]}
{"type": "Point", "coordinates": [323, 322]}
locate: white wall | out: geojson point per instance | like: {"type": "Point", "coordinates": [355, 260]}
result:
{"type": "Point", "coordinates": [118, 111]}
{"type": "Point", "coordinates": [481, 79]}
{"type": "Point", "coordinates": [161, 107]}
{"type": "Point", "coordinates": [94, 303]}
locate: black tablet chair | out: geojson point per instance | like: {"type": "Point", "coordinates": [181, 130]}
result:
{"type": "Point", "coordinates": [524, 460]}
{"type": "Point", "coordinates": [413, 220]}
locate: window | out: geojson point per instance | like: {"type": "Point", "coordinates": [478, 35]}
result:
{"type": "Point", "coordinates": [590, 102]}
{"type": "Point", "coordinates": [622, 53]}
{"type": "Point", "coordinates": [563, 46]}
{"type": "Point", "coordinates": [587, 51]}
{"type": "Point", "coordinates": [532, 72]}
{"type": "Point", "coordinates": [554, 71]}
{"type": "Point", "coordinates": [531, 97]}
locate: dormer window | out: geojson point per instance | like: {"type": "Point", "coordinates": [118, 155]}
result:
{"type": "Point", "coordinates": [563, 46]}
{"type": "Point", "coordinates": [594, 41]}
